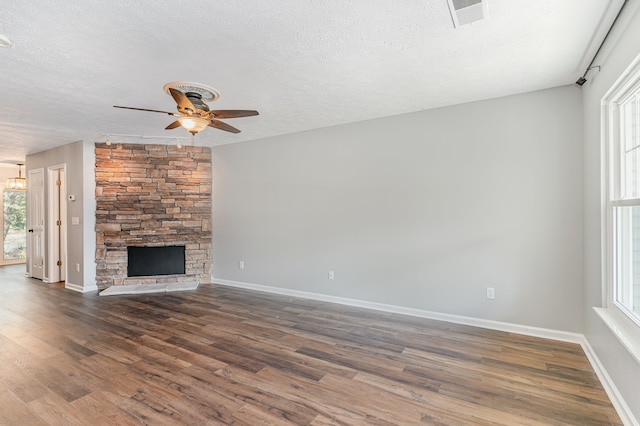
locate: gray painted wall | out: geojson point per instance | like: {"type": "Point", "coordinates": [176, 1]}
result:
{"type": "Point", "coordinates": [622, 47]}
{"type": "Point", "coordinates": [9, 171]}
{"type": "Point", "coordinates": [73, 155]}
{"type": "Point", "coordinates": [88, 218]}
{"type": "Point", "coordinates": [422, 210]}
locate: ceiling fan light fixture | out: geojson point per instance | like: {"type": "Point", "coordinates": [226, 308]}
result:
{"type": "Point", "coordinates": [17, 183]}
{"type": "Point", "coordinates": [193, 113]}
{"type": "Point", "coordinates": [193, 124]}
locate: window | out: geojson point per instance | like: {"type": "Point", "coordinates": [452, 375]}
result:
{"type": "Point", "coordinates": [622, 119]}
{"type": "Point", "coordinates": [14, 236]}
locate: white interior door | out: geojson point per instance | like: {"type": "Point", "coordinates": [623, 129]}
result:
{"type": "Point", "coordinates": [35, 191]}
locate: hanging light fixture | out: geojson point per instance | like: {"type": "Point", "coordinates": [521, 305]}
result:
{"type": "Point", "coordinates": [193, 123]}
{"type": "Point", "coordinates": [17, 183]}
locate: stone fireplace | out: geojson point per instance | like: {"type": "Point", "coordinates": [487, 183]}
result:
{"type": "Point", "coordinates": [152, 196]}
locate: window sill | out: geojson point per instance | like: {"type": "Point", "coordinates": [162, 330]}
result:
{"type": "Point", "coordinates": [627, 333]}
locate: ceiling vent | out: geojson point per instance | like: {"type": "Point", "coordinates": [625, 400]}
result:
{"type": "Point", "coordinates": [467, 11]}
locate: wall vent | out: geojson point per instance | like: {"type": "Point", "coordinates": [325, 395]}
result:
{"type": "Point", "coordinates": [467, 11]}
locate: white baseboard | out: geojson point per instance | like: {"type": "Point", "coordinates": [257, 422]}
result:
{"type": "Point", "coordinates": [79, 288]}
{"type": "Point", "coordinates": [609, 386]}
{"type": "Point", "coordinates": [457, 319]}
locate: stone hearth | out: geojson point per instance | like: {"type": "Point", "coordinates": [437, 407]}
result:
{"type": "Point", "coordinates": [152, 195]}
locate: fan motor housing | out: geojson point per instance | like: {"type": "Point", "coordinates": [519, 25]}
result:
{"type": "Point", "coordinates": [196, 100]}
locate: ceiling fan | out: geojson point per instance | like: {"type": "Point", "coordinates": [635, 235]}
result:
{"type": "Point", "coordinates": [193, 113]}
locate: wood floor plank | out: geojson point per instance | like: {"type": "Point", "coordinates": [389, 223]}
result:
{"type": "Point", "coordinates": [23, 385]}
{"type": "Point", "coordinates": [36, 371]}
{"type": "Point", "coordinates": [289, 409]}
{"type": "Point", "coordinates": [444, 409]}
{"type": "Point", "coordinates": [96, 409]}
{"type": "Point", "coordinates": [199, 389]}
{"type": "Point", "coordinates": [54, 410]}
{"type": "Point", "coordinates": [220, 355]}
{"type": "Point", "coordinates": [293, 389]}
{"type": "Point", "coordinates": [14, 411]}
{"type": "Point", "coordinates": [115, 376]}
{"type": "Point", "coordinates": [255, 416]}
{"type": "Point", "coordinates": [32, 343]}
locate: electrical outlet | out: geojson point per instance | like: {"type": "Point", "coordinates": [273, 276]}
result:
{"type": "Point", "coordinates": [77, 267]}
{"type": "Point", "coordinates": [491, 293]}
{"type": "Point", "coordinates": [241, 264]}
{"type": "Point", "coordinates": [331, 275]}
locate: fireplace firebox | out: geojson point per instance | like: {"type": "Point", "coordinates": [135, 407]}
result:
{"type": "Point", "coordinates": [147, 261]}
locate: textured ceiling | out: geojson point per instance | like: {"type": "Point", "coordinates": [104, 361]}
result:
{"type": "Point", "coordinates": [302, 64]}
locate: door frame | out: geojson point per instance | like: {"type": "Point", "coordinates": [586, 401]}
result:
{"type": "Point", "coordinates": [56, 233]}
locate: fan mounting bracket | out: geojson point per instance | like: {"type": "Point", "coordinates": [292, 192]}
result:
{"type": "Point", "coordinates": [208, 93]}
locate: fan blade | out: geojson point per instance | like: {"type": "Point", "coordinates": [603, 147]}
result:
{"type": "Point", "coordinates": [232, 113]}
{"type": "Point", "coordinates": [222, 126]}
{"type": "Point", "coordinates": [184, 104]}
{"type": "Point", "coordinates": [173, 125]}
{"type": "Point", "coordinates": [143, 109]}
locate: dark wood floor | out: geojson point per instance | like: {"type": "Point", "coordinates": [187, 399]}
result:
{"type": "Point", "coordinates": [220, 355]}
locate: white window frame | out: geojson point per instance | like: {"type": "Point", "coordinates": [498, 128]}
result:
{"type": "Point", "coordinates": [624, 324]}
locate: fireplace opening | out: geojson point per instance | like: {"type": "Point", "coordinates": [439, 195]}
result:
{"type": "Point", "coordinates": [166, 260]}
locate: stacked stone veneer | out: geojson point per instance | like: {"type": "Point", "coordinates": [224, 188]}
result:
{"type": "Point", "coordinates": [152, 195]}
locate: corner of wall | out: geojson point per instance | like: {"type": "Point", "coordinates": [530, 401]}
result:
{"type": "Point", "coordinates": [89, 216]}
